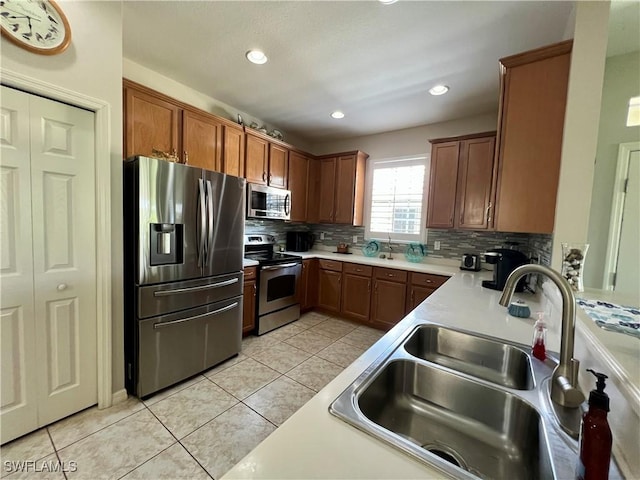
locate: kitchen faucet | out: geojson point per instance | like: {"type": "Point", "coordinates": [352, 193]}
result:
{"type": "Point", "coordinates": [564, 381]}
{"type": "Point", "coordinates": [390, 249]}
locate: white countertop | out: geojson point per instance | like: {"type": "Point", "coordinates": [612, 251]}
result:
{"type": "Point", "coordinates": [312, 443]}
{"type": "Point", "coordinates": [249, 263]}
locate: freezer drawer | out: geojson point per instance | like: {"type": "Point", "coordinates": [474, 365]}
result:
{"type": "Point", "coordinates": [174, 347]}
{"type": "Point", "coordinates": [154, 300]}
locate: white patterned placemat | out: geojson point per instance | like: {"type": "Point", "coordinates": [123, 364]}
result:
{"type": "Point", "coordinates": [610, 316]}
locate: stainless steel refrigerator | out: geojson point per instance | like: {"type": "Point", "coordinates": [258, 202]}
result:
{"type": "Point", "coordinates": [183, 252]}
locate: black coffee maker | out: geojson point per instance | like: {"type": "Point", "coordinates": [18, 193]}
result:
{"type": "Point", "coordinates": [504, 262]}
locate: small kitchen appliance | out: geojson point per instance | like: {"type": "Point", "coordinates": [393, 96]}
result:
{"type": "Point", "coordinates": [470, 261]}
{"type": "Point", "coordinates": [270, 203]}
{"type": "Point", "coordinates": [504, 261]}
{"type": "Point", "coordinates": [299, 241]}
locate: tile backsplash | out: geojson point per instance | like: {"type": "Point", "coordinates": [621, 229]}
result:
{"type": "Point", "coordinates": [453, 243]}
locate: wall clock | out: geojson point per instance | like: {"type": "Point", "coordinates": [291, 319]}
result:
{"type": "Point", "coordinates": [39, 26]}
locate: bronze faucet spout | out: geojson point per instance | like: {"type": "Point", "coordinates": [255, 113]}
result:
{"type": "Point", "coordinates": [565, 390]}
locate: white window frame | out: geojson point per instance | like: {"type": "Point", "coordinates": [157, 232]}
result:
{"type": "Point", "coordinates": [421, 159]}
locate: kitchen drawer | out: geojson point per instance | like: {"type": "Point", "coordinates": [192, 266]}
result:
{"type": "Point", "coordinates": [250, 273]}
{"type": "Point", "coordinates": [427, 279]}
{"type": "Point", "coordinates": [330, 265]}
{"type": "Point", "coordinates": [390, 274]}
{"type": "Point", "coordinates": [355, 269]}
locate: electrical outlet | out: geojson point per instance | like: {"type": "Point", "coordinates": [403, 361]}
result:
{"type": "Point", "coordinates": [321, 235]}
{"type": "Point", "coordinates": [355, 239]}
{"type": "Point", "coordinates": [436, 245]}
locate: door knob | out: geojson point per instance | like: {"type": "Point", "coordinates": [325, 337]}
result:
{"type": "Point", "coordinates": [62, 286]}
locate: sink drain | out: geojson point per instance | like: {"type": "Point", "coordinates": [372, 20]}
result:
{"type": "Point", "coordinates": [447, 454]}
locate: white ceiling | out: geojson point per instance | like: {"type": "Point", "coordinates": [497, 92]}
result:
{"type": "Point", "coordinates": [374, 62]}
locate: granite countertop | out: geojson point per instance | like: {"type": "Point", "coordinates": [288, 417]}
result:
{"type": "Point", "coordinates": [312, 443]}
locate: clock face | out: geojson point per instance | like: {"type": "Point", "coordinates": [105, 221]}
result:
{"type": "Point", "coordinates": [39, 26]}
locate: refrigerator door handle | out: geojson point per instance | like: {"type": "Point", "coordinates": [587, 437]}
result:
{"type": "Point", "coordinates": [210, 226]}
{"type": "Point", "coordinates": [166, 293]}
{"type": "Point", "coordinates": [182, 320]}
{"type": "Point", "coordinates": [203, 222]}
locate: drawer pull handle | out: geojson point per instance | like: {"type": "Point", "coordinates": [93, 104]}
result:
{"type": "Point", "coordinates": [195, 317]}
{"type": "Point", "coordinates": [164, 293]}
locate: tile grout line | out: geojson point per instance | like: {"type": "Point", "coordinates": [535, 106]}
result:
{"type": "Point", "coordinates": [55, 451]}
{"type": "Point", "coordinates": [177, 441]}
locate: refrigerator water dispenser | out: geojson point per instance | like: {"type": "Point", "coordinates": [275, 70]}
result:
{"type": "Point", "coordinates": [166, 243]}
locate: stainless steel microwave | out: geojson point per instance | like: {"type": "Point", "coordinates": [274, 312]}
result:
{"type": "Point", "coordinates": [268, 202]}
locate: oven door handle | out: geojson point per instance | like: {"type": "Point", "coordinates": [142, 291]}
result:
{"type": "Point", "coordinates": [283, 265]}
{"type": "Point", "coordinates": [182, 320]}
{"type": "Point", "coordinates": [165, 293]}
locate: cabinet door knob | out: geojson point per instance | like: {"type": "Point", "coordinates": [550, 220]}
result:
{"type": "Point", "coordinates": [270, 177]}
{"type": "Point", "coordinates": [61, 287]}
{"type": "Point", "coordinates": [186, 157]}
{"type": "Point", "coordinates": [264, 176]}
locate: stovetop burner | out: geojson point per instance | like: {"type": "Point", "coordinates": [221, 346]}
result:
{"type": "Point", "coordinates": [260, 249]}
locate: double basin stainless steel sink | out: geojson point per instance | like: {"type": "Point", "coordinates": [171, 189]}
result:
{"type": "Point", "coordinates": [469, 405]}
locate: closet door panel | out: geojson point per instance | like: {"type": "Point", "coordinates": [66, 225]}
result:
{"type": "Point", "coordinates": [63, 185]}
{"type": "Point", "coordinates": [18, 405]}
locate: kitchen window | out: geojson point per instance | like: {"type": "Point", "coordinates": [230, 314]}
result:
{"type": "Point", "coordinates": [396, 200]}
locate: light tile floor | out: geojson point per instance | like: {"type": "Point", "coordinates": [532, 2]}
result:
{"type": "Point", "coordinates": [202, 427]}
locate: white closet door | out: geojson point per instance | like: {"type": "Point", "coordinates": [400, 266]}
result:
{"type": "Point", "coordinates": [63, 206]}
{"type": "Point", "coordinates": [47, 270]}
{"type": "Point", "coordinates": [18, 408]}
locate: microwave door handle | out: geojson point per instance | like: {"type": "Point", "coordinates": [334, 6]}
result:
{"type": "Point", "coordinates": [210, 226]}
{"type": "Point", "coordinates": [286, 205]}
{"type": "Point", "coordinates": [203, 222]}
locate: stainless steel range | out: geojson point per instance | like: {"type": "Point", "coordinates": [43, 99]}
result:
{"type": "Point", "coordinates": [278, 275]}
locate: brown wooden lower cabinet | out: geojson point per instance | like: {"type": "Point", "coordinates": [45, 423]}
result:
{"type": "Point", "coordinates": [416, 295]}
{"type": "Point", "coordinates": [308, 286]}
{"type": "Point", "coordinates": [379, 297]}
{"type": "Point", "coordinates": [387, 303]}
{"type": "Point", "coordinates": [420, 286]}
{"type": "Point", "coordinates": [356, 291]}
{"type": "Point", "coordinates": [329, 290]}
{"type": "Point", "coordinates": [249, 300]}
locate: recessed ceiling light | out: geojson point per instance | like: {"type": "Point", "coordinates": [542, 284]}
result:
{"type": "Point", "coordinates": [256, 56]}
{"type": "Point", "coordinates": [387, 2]}
{"type": "Point", "coordinates": [337, 114]}
{"type": "Point", "coordinates": [439, 90]}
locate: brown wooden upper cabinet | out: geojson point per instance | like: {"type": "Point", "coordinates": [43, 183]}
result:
{"type": "Point", "coordinates": [155, 121]}
{"type": "Point", "coordinates": [266, 161]}
{"type": "Point", "coordinates": [533, 91]}
{"type": "Point", "coordinates": [150, 123]}
{"type": "Point", "coordinates": [298, 184]}
{"type": "Point", "coordinates": [201, 138]}
{"type": "Point", "coordinates": [461, 183]}
{"type": "Point", "coordinates": [341, 191]}
{"type": "Point", "coordinates": [233, 150]}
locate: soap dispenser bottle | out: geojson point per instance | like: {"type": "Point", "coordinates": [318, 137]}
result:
{"type": "Point", "coordinates": [538, 348]}
{"type": "Point", "coordinates": [595, 435]}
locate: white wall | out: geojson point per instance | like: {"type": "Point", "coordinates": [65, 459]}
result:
{"type": "Point", "coordinates": [91, 65]}
{"type": "Point", "coordinates": [410, 141]}
{"type": "Point", "coordinates": [580, 126]}
{"type": "Point", "coordinates": [621, 82]}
